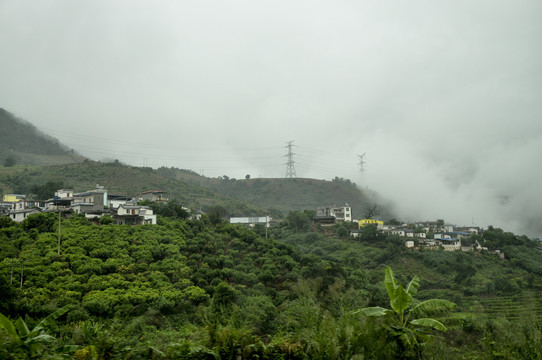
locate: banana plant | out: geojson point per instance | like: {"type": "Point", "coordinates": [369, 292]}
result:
{"type": "Point", "coordinates": [405, 321]}
{"type": "Point", "coordinates": [32, 341]}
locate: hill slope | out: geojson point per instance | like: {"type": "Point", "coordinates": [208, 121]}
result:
{"type": "Point", "coordinates": [118, 179]}
{"type": "Point", "coordinates": [238, 197]}
{"type": "Point", "coordinates": [24, 144]}
{"type": "Point", "coordinates": [288, 194]}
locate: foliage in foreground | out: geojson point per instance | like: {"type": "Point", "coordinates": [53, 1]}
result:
{"type": "Point", "coordinates": [20, 342]}
{"type": "Point", "coordinates": [188, 289]}
{"type": "Point", "coordinates": [404, 324]}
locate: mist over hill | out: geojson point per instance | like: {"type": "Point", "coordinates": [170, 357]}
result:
{"type": "Point", "coordinates": [23, 143]}
{"type": "Point", "coordinates": [26, 145]}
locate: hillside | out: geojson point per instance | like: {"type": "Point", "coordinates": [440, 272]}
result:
{"type": "Point", "coordinates": [35, 159]}
{"type": "Point", "coordinates": [288, 194]}
{"type": "Point", "coordinates": [237, 197]}
{"type": "Point", "coordinates": [119, 179]}
{"type": "Point", "coordinates": [185, 289]}
{"type": "Point", "coordinates": [23, 144]}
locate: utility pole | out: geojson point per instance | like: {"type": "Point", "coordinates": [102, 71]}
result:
{"type": "Point", "coordinates": [290, 169]}
{"type": "Point", "coordinates": [361, 162]}
{"type": "Point", "coordinates": [266, 223]}
{"type": "Point", "coordinates": [22, 271]}
{"type": "Point", "coordinates": [58, 231]}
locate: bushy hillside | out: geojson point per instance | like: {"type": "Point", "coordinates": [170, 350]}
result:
{"type": "Point", "coordinates": [122, 180]}
{"type": "Point", "coordinates": [288, 194]}
{"type": "Point", "coordinates": [23, 144]}
{"type": "Point", "coordinates": [187, 289]}
{"type": "Point", "coordinates": [252, 197]}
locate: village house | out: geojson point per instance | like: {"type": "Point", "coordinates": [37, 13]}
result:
{"type": "Point", "coordinates": [469, 229]}
{"type": "Point", "coordinates": [13, 197]}
{"type": "Point", "coordinates": [62, 200]}
{"type": "Point", "coordinates": [329, 215]}
{"type": "Point", "coordinates": [20, 215]}
{"type": "Point", "coordinates": [451, 244]}
{"type": "Point", "coordinates": [28, 204]}
{"type": "Point", "coordinates": [89, 202]}
{"type": "Point", "coordinates": [434, 226]}
{"type": "Point", "coordinates": [134, 215]}
{"type": "Point", "coordinates": [154, 196]}
{"type": "Point", "coordinates": [400, 232]}
{"type": "Point", "coordinates": [364, 222]}
{"type": "Point", "coordinates": [251, 221]}
{"type": "Point", "coordinates": [114, 201]}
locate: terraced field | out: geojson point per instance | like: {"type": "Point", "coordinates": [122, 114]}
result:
{"type": "Point", "coordinates": [522, 306]}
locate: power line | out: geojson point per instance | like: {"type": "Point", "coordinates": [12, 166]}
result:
{"type": "Point", "coordinates": [160, 146]}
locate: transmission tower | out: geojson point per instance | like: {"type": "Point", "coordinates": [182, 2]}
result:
{"type": "Point", "coordinates": [361, 162]}
{"type": "Point", "coordinates": [290, 168]}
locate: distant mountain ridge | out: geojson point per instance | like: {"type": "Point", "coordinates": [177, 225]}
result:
{"type": "Point", "coordinates": [284, 195]}
{"type": "Point", "coordinates": [245, 197]}
{"type": "Point", "coordinates": [26, 145]}
{"type": "Point", "coordinates": [50, 161]}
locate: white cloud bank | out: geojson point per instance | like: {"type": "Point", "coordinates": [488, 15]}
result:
{"type": "Point", "coordinates": [443, 97]}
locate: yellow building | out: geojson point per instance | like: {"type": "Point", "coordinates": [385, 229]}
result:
{"type": "Point", "coordinates": [13, 197]}
{"type": "Point", "coordinates": [365, 222]}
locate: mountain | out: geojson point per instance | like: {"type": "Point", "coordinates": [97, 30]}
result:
{"type": "Point", "coordinates": [285, 195]}
{"type": "Point", "coordinates": [246, 197]}
{"type": "Point", "coordinates": [118, 179]}
{"type": "Point", "coordinates": [53, 163]}
{"type": "Point", "coordinates": [21, 143]}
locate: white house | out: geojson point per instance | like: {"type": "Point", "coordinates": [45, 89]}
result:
{"type": "Point", "coordinates": [343, 213]}
{"type": "Point", "coordinates": [114, 201]}
{"type": "Point", "coordinates": [20, 215]}
{"type": "Point", "coordinates": [63, 199]}
{"type": "Point", "coordinates": [251, 221]}
{"type": "Point", "coordinates": [400, 232]}
{"type": "Point", "coordinates": [90, 201]}
{"type": "Point", "coordinates": [64, 193]}
{"type": "Point", "coordinates": [451, 244]}
{"type": "Point", "coordinates": [134, 215]}
{"type": "Point", "coordinates": [154, 195]}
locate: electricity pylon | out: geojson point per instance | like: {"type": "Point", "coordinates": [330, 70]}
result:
{"type": "Point", "coordinates": [290, 168]}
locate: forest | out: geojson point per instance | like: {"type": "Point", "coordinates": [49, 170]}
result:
{"type": "Point", "coordinates": [206, 289]}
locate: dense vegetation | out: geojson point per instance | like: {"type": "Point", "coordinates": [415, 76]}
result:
{"type": "Point", "coordinates": [196, 289]}
{"type": "Point", "coordinates": [283, 195]}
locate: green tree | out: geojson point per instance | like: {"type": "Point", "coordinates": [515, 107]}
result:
{"type": "Point", "coordinates": [298, 221]}
{"type": "Point", "coordinates": [43, 222]}
{"type": "Point", "coordinates": [9, 161]}
{"type": "Point", "coordinates": [33, 342]}
{"type": "Point", "coordinates": [216, 213]}
{"type": "Point", "coordinates": [46, 190]}
{"type": "Point", "coordinates": [405, 323]}
{"type": "Point", "coordinates": [106, 220]}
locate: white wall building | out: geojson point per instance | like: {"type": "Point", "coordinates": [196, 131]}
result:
{"type": "Point", "coordinates": [135, 215]}
{"type": "Point", "coordinates": [264, 220]}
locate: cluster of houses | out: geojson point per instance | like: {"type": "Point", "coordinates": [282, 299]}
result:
{"type": "Point", "coordinates": [441, 235]}
{"type": "Point", "coordinates": [445, 236]}
{"type": "Point", "coordinates": [97, 202]}
{"type": "Point", "coordinates": [428, 234]}
{"type": "Point", "coordinates": [93, 204]}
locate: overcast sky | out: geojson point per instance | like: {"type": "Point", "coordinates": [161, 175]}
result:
{"type": "Point", "coordinates": [443, 97]}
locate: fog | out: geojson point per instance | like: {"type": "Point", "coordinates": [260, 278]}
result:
{"type": "Point", "coordinates": [443, 98]}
